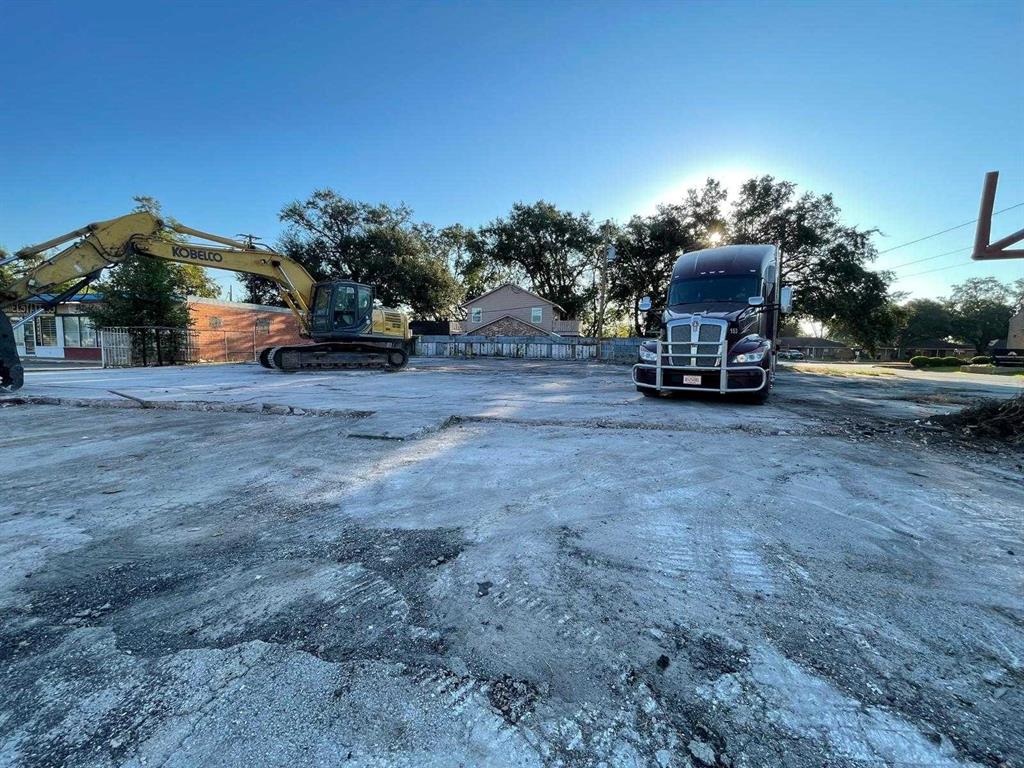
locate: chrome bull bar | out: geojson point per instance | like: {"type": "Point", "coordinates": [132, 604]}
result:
{"type": "Point", "coordinates": [693, 351]}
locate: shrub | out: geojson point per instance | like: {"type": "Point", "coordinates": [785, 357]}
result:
{"type": "Point", "coordinates": [919, 361]}
{"type": "Point", "coordinates": [981, 360]}
{"type": "Point", "coordinates": [952, 361]}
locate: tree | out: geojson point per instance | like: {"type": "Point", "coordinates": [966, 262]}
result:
{"type": "Point", "coordinates": [921, 320]}
{"type": "Point", "coordinates": [141, 292]}
{"type": "Point", "coordinates": [823, 259]}
{"type": "Point", "coordinates": [6, 273]}
{"type": "Point", "coordinates": [981, 309]}
{"type": "Point", "coordinates": [464, 251]}
{"type": "Point", "coordinates": [1017, 294]}
{"type": "Point", "coordinates": [148, 291]}
{"type": "Point", "coordinates": [553, 248]}
{"type": "Point", "coordinates": [647, 246]}
{"type": "Point", "coordinates": [337, 238]}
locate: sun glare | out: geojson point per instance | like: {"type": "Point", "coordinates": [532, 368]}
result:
{"type": "Point", "coordinates": [730, 177]}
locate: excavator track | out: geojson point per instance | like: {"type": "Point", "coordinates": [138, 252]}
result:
{"type": "Point", "coordinates": [335, 356]}
{"type": "Point", "coordinates": [12, 375]}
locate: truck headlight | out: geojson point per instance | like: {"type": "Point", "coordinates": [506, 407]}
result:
{"type": "Point", "coordinates": [749, 357]}
{"type": "Point", "coordinates": [648, 355]}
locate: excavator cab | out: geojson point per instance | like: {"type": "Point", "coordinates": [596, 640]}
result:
{"type": "Point", "coordinates": [340, 309]}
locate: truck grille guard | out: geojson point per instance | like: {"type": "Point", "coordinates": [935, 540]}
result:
{"type": "Point", "coordinates": [698, 354]}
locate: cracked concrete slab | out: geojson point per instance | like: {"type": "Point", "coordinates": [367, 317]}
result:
{"type": "Point", "coordinates": [548, 570]}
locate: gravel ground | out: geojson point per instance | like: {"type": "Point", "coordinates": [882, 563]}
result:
{"type": "Point", "coordinates": [503, 563]}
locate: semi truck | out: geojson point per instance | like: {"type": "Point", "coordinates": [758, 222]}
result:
{"type": "Point", "coordinates": [719, 329]}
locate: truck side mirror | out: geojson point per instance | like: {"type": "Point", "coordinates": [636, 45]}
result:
{"type": "Point", "coordinates": [786, 299]}
{"type": "Point", "coordinates": [645, 304]}
{"type": "Point", "coordinates": [755, 301]}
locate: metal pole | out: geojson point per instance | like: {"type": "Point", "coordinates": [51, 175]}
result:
{"type": "Point", "coordinates": [988, 199]}
{"type": "Point", "coordinates": [28, 318]}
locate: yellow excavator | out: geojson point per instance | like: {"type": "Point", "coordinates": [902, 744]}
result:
{"type": "Point", "coordinates": [339, 316]}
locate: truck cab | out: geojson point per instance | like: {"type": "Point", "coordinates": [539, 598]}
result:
{"type": "Point", "coordinates": [719, 329]}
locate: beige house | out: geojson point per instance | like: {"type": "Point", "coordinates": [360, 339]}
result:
{"type": "Point", "coordinates": [509, 310]}
{"type": "Point", "coordinates": [1015, 340]}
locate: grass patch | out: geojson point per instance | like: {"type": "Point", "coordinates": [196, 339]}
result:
{"type": "Point", "coordinates": [846, 371]}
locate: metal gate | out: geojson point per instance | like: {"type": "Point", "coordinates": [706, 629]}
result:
{"type": "Point", "coordinates": [133, 346]}
{"type": "Point", "coordinates": [115, 347]}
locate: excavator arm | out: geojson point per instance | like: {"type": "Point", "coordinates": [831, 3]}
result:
{"type": "Point", "coordinates": [108, 243]}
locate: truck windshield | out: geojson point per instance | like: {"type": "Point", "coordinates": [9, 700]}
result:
{"type": "Point", "coordinates": [701, 290]}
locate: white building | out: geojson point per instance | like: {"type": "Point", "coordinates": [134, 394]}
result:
{"type": "Point", "coordinates": [63, 333]}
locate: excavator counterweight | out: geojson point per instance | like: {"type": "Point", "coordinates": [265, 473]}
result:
{"type": "Point", "coordinates": [340, 316]}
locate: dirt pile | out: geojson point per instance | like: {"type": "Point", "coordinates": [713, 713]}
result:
{"type": "Point", "coordinates": [997, 419]}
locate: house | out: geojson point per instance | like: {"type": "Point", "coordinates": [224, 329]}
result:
{"type": "Point", "coordinates": [817, 349]}
{"type": "Point", "coordinates": [509, 310]}
{"type": "Point", "coordinates": [1015, 339]}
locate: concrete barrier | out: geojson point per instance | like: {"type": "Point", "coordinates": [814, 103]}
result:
{"type": "Point", "coordinates": [529, 347]}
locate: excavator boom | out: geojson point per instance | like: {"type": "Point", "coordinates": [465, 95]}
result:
{"type": "Point", "coordinates": [108, 243]}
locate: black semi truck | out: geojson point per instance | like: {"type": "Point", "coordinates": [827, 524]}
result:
{"type": "Point", "coordinates": [719, 330]}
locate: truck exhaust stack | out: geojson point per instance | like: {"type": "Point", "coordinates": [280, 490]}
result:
{"type": "Point", "coordinates": [12, 375]}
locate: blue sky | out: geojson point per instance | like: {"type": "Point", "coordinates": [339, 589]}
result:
{"type": "Point", "coordinates": [227, 110]}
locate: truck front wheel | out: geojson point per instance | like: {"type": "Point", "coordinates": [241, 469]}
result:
{"type": "Point", "coordinates": [761, 396]}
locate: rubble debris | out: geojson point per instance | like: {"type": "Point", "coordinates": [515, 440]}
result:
{"type": "Point", "coordinates": [701, 752]}
{"type": "Point", "coordinates": [997, 419]}
{"type": "Point", "coordinates": [512, 698]}
{"type": "Point", "coordinates": [483, 588]}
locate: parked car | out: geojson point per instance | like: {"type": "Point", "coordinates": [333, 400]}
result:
{"type": "Point", "coordinates": [791, 354]}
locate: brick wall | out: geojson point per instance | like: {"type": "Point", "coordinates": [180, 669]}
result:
{"type": "Point", "coordinates": [235, 332]}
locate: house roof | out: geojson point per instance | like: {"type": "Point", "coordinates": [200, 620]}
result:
{"type": "Point", "coordinates": [510, 285]}
{"type": "Point", "coordinates": [811, 341]}
{"type": "Point", "coordinates": [80, 298]}
{"type": "Point", "coordinates": [540, 331]}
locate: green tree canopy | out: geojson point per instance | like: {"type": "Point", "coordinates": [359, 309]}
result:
{"type": "Point", "coordinates": [553, 249]}
{"type": "Point", "coordinates": [647, 246]}
{"type": "Point", "coordinates": [981, 308]}
{"type": "Point", "coordinates": [921, 320]}
{"type": "Point", "coordinates": [337, 238]}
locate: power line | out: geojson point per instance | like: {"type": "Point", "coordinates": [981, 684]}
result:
{"type": "Point", "coordinates": [936, 234]}
{"type": "Point", "coordinates": [930, 258]}
{"type": "Point", "coordinates": [937, 269]}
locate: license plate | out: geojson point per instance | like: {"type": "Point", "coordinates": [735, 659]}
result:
{"type": "Point", "coordinates": [691, 380]}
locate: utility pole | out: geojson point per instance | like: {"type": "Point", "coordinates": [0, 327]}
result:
{"type": "Point", "coordinates": [602, 301]}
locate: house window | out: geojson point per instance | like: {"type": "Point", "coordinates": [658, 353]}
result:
{"type": "Point", "coordinates": [536, 314]}
{"type": "Point", "coordinates": [263, 325]}
{"type": "Point", "coordinates": [216, 322]}
{"type": "Point", "coordinates": [476, 314]}
{"type": "Point", "coordinates": [46, 331]}
{"type": "Point", "coordinates": [72, 331]}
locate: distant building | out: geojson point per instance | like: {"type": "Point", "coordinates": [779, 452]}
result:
{"type": "Point", "coordinates": [61, 333]}
{"type": "Point", "coordinates": [1015, 340]}
{"type": "Point", "coordinates": [223, 331]}
{"type": "Point", "coordinates": [814, 348]}
{"type": "Point", "coordinates": [230, 331]}
{"type": "Point", "coordinates": [509, 310]}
